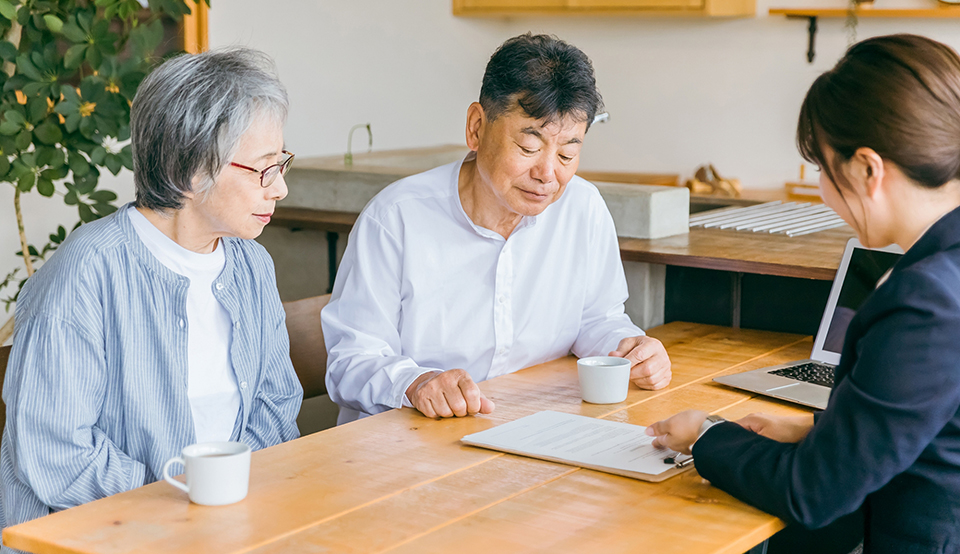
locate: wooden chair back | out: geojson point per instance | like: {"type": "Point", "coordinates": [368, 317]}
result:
{"type": "Point", "coordinates": [307, 350]}
{"type": "Point", "coordinates": [4, 355]}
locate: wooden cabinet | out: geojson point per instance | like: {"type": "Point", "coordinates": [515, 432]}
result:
{"type": "Point", "coordinates": [702, 8]}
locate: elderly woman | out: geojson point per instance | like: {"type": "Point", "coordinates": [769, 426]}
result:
{"type": "Point", "coordinates": [160, 325]}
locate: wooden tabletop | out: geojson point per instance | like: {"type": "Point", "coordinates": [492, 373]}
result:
{"type": "Point", "coordinates": [815, 256]}
{"type": "Point", "coordinates": [399, 482]}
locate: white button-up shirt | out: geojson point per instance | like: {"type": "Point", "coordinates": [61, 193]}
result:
{"type": "Point", "coordinates": [422, 288]}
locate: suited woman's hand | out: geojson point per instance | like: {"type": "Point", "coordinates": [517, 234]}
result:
{"type": "Point", "coordinates": [678, 432]}
{"type": "Point", "coordinates": [779, 428]}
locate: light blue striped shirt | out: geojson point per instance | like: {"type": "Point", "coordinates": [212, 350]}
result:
{"type": "Point", "coordinates": [96, 384]}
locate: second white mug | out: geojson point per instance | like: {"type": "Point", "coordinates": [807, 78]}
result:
{"type": "Point", "coordinates": [218, 473]}
{"type": "Point", "coordinates": [604, 379]}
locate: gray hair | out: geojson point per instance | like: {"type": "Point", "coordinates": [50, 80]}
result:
{"type": "Point", "coordinates": [189, 115]}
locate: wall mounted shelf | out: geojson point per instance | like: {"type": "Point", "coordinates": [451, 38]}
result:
{"type": "Point", "coordinates": [689, 8]}
{"type": "Point", "coordinates": [811, 14]}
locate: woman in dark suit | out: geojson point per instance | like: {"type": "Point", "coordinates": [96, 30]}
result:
{"type": "Point", "coordinates": [884, 127]}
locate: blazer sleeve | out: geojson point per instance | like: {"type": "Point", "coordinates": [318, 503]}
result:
{"type": "Point", "coordinates": [901, 392]}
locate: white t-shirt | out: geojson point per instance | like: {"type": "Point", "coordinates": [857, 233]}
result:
{"type": "Point", "coordinates": [423, 288]}
{"type": "Point", "coordinates": [211, 382]}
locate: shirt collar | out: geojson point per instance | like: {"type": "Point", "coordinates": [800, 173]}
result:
{"type": "Point", "coordinates": [525, 221]}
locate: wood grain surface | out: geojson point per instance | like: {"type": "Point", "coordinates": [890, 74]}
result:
{"type": "Point", "coordinates": [815, 256]}
{"type": "Point", "coordinates": [399, 482]}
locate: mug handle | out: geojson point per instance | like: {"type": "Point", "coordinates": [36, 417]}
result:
{"type": "Point", "coordinates": [171, 480]}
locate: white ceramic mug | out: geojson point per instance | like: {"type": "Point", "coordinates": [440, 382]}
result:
{"type": "Point", "coordinates": [218, 473]}
{"type": "Point", "coordinates": [604, 379]}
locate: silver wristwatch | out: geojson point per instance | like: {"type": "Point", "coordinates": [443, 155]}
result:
{"type": "Point", "coordinates": [708, 423]}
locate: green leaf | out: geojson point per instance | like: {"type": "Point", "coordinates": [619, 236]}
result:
{"type": "Point", "coordinates": [74, 56]}
{"type": "Point", "coordinates": [103, 196]}
{"type": "Point", "coordinates": [87, 127]}
{"type": "Point", "coordinates": [4, 166]}
{"type": "Point", "coordinates": [78, 164]}
{"type": "Point", "coordinates": [45, 187]}
{"type": "Point", "coordinates": [72, 122]}
{"type": "Point", "coordinates": [48, 132]}
{"type": "Point", "coordinates": [44, 155]}
{"type": "Point", "coordinates": [126, 156]}
{"type": "Point", "coordinates": [29, 159]}
{"type": "Point", "coordinates": [7, 50]}
{"type": "Point", "coordinates": [113, 163]}
{"type": "Point", "coordinates": [9, 128]}
{"type": "Point", "coordinates": [14, 116]}
{"type": "Point", "coordinates": [98, 154]}
{"type": "Point", "coordinates": [27, 68]}
{"type": "Point", "coordinates": [55, 174]}
{"type": "Point", "coordinates": [94, 57]}
{"type": "Point", "coordinates": [37, 108]}
{"type": "Point", "coordinates": [86, 214]}
{"type": "Point", "coordinates": [24, 139]}
{"type": "Point", "coordinates": [71, 198]}
{"type": "Point", "coordinates": [85, 19]}
{"type": "Point", "coordinates": [7, 10]}
{"type": "Point", "coordinates": [26, 181]}
{"type": "Point", "coordinates": [54, 23]}
{"type": "Point", "coordinates": [73, 32]}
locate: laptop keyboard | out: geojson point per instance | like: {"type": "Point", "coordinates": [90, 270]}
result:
{"type": "Point", "coordinates": [818, 374]}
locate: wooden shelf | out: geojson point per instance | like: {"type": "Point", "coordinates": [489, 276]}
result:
{"type": "Point", "coordinates": [866, 11]}
{"type": "Point", "coordinates": [812, 14]}
{"type": "Point", "coordinates": [609, 8]}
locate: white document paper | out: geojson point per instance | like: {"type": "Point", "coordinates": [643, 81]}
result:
{"type": "Point", "coordinates": [579, 440]}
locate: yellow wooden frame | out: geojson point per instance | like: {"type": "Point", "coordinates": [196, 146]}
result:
{"type": "Point", "coordinates": [195, 30]}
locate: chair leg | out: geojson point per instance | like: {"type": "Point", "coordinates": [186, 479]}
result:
{"type": "Point", "coordinates": [759, 549]}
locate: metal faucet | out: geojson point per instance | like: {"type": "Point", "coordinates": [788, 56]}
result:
{"type": "Point", "coordinates": [348, 157]}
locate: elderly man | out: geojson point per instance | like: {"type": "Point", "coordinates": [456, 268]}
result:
{"type": "Point", "coordinates": [489, 265]}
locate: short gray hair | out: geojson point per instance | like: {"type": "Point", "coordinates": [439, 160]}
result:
{"type": "Point", "coordinates": [188, 117]}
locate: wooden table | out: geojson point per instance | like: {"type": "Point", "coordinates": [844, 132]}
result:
{"type": "Point", "coordinates": [398, 482]}
{"type": "Point", "coordinates": [814, 256]}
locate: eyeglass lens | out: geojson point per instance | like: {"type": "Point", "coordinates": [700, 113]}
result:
{"type": "Point", "coordinates": [270, 174]}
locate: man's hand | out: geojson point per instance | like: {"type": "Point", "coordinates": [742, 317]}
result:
{"type": "Point", "coordinates": [650, 365]}
{"type": "Point", "coordinates": [779, 428]}
{"type": "Point", "coordinates": [678, 432]}
{"type": "Point", "coordinates": [448, 394]}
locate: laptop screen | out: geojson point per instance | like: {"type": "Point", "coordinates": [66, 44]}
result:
{"type": "Point", "coordinates": [863, 275]}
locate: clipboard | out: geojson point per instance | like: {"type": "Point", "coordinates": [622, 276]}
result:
{"type": "Point", "coordinates": [574, 439]}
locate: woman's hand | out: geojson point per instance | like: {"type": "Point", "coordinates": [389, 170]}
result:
{"type": "Point", "coordinates": [779, 428]}
{"type": "Point", "coordinates": [678, 432]}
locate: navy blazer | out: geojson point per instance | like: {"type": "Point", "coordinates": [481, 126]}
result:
{"type": "Point", "coordinates": [889, 439]}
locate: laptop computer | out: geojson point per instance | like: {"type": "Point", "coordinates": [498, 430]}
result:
{"type": "Point", "coordinates": [808, 382]}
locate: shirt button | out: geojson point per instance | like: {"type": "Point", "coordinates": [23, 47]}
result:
{"type": "Point", "coordinates": [219, 286]}
{"type": "Point", "coordinates": [236, 324]}
{"type": "Point", "coordinates": [502, 351]}
{"type": "Point", "coordinates": [501, 299]}
{"type": "Point", "coordinates": [182, 323]}
{"type": "Point", "coordinates": [243, 384]}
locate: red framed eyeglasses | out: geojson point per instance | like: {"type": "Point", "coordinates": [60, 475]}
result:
{"type": "Point", "coordinates": [269, 174]}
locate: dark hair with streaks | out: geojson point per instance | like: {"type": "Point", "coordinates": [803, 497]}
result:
{"type": "Point", "coordinates": [544, 76]}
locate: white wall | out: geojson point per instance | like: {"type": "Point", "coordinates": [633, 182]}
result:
{"type": "Point", "coordinates": [681, 92]}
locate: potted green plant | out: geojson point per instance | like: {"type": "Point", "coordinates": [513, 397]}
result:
{"type": "Point", "coordinates": [70, 71]}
